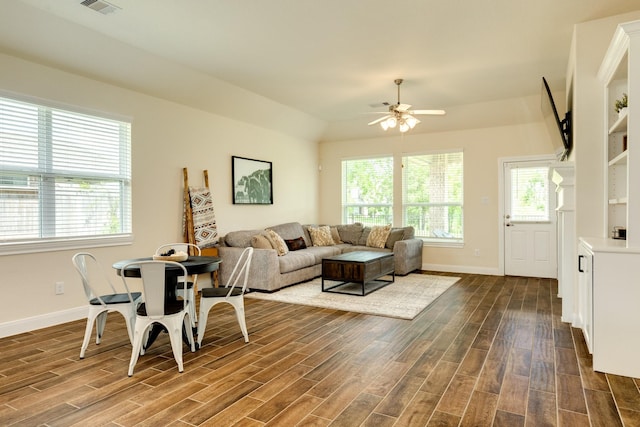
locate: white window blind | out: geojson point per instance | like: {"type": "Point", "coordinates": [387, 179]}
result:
{"type": "Point", "coordinates": [432, 187]}
{"type": "Point", "coordinates": [530, 193]}
{"type": "Point", "coordinates": [63, 175]}
{"type": "Point", "coordinates": [367, 194]}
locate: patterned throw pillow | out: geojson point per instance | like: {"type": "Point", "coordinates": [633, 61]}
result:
{"type": "Point", "coordinates": [295, 244]}
{"type": "Point", "coordinates": [378, 236]}
{"type": "Point", "coordinates": [321, 236]}
{"type": "Point", "coordinates": [277, 242]}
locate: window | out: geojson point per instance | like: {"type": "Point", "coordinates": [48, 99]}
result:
{"type": "Point", "coordinates": [367, 191]}
{"type": "Point", "coordinates": [432, 195]}
{"type": "Point", "coordinates": [529, 194]}
{"type": "Point", "coordinates": [64, 177]}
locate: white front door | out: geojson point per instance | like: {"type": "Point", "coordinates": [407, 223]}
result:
{"type": "Point", "coordinates": [530, 247]}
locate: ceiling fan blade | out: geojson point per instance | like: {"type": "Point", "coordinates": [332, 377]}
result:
{"type": "Point", "coordinates": [430, 112]}
{"type": "Point", "coordinates": [402, 107]}
{"type": "Point", "coordinates": [379, 120]}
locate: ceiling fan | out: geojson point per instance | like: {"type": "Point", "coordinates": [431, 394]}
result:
{"type": "Point", "coordinates": [400, 115]}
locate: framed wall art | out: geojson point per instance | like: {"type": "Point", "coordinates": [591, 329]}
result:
{"type": "Point", "coordinates": [251, 180]}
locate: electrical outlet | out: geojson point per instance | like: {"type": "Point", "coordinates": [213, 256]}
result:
{"type": "Point", "coordinates": [59, 288]}
{"type": "Point", "coordinates": [476, 252]}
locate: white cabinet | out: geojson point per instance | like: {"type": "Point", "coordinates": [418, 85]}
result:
{"type": "Point", "coordinates": [620, 74]}
{"type": "Point", "coordinates": [609, 294]}
{"type": "Point", "coordinates": [608, 284]}
{"type": "Point", "coordinates": [584, 318]}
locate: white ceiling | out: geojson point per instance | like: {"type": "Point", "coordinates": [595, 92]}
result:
{"type": "Point", "coordinates": [328, 59]}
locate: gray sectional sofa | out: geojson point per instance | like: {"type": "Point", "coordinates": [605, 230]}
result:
{"type": "Point", "coordinates": [270, 272]}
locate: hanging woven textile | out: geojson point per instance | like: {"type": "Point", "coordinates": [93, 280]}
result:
{"type": "Point", "coordinates": [205, 230]}
{"type": "Point", "coordinates": [199, 218]}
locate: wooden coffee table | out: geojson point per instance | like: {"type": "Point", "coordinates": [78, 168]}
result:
{"type": "Point", "coordinates": [361, 267]}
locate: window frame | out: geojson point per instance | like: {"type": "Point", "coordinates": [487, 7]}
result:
{"type": "Point", "coordinates": [124, 235]}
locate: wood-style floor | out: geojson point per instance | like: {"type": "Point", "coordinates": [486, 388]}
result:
{"type": "Point", "coordinates": [490, 351]}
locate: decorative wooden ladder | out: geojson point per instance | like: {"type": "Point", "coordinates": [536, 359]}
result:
{"type": "Point", "coordinates": [189, 236]}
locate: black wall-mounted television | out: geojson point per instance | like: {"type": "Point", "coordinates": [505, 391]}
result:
{"type": "Point", "coordinates": [559, 130]}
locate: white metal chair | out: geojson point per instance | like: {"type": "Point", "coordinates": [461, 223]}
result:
{"type": "Point", "coordinates": [173, 315]}
{"type": "Point", "coordinates": [189, 290]}
{"type": "Point", "coordinates": [230, 294]}
{"type": "Point", "coordinates": [103, 297]}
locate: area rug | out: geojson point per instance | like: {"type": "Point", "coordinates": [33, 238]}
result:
{"type": "Point", "coordinates": [403, 299]}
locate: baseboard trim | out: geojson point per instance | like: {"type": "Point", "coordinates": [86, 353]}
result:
{"type": "Point", "coordinates": [462, 269]}
{"type": "Point", "coordinates": [29, 324]}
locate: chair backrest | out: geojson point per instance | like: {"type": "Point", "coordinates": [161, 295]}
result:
{"type": "Point", "coordinates": [240, 270]}
{"type": "Point", "coordinates": [189, 248]}
{"type": "Point", "coordinates": [153, 284]}
{"type": "Point", "coordinates": [95, 280]}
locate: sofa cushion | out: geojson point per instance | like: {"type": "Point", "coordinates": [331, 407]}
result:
{"type": "Point", "coordinates": [296, 260]}
{"type": "Point", "coordinates": [395, 234]}
{"type": "Point", "coordinates": [277, 242]}
{"type": "Point", "coordinates": [241, 238]}
{"type": "Point", "coordinates": [321, 252]}
{"type": "Point", "coordinates": [350, 233]}
{"type": "Point", "coordinates": [321, 236]}
{"type": "Point", "coordinates": [260, 241]}
{"type": "Point", "coordinates": [289, 230]}
{"type": "Point", "coordinates": [378, 236]}
{"type": "Point", "coordinates": [295, 244]}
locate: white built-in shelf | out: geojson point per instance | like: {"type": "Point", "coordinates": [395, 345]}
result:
{"type": "Point", "coordinates": [620, 159]}
{"type": "Point", "coordinates": [621, 124]}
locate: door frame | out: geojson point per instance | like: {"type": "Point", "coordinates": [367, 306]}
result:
{"type": "Point", "coordinates": [501, 194]}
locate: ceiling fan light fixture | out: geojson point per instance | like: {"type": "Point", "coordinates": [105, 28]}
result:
{"type": "Point", "coordinates": [401, 115]}
{"type": "Point", "coordinates": [392, 122]}
{"type": "Point", "coordinates": [411, 121]}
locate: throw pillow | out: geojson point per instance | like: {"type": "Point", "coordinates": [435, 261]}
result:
{"type": "Point", "coordinates": [335, 235]}
{"type": "Point", "coordinates": [277, 242]}
{"type": "Point", "coordinates": [362, 241]}
{"type": "Point", "coordinates": [350, 233]}
{"type": "Point", "coordinates": [378, 236]}
{"type": "Point", "coordinates": [321, 236]}
{"type": "Point", "coordinates": [394, 235]}
{"type": "Point", "coordinates": [260, 241]}
{"type": "Point", "coordinates": [409, 233]}
{"type": "Point", "coordinates": [295, 244]}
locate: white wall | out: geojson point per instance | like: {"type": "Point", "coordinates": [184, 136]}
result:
{"type": "Point", "coordinates": [165, 138]}
{"type": "Point", "coordinates": [482, 149]}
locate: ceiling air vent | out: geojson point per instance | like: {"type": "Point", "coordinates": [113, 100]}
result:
{"type": "Point", "coordinates": [100, 6]}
